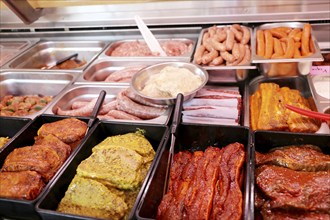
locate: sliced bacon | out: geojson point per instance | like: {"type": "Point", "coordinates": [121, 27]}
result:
{"type": "Point", "coordinates": [212, 102]}
{"type": "Point", "coordinates": [217, 112]}
{"type": "Point", "coordinates": [218, 93]}
{"type": "Point", "coordinates": [206, 120]}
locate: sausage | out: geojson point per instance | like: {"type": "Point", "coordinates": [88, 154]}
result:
{"type": "Point", "coordinates": [206, 36]}
{"type": "Point", "coordinates": [311, 45]}
{"type": "Point", "coordinates": [269, 42]}
{"type": "Point", "coordinates": [260, 43]}
{"type": "Point", "coordinates": [217, 61]}
{"type": "Point", "coordinates": [123, 74]}
{"type": "Point", "coordinates": [207, 58]}
{"type": "Point", "coordinates": [283, 46]}
{"type": "Point", "coordinates": [117, 114]}
{"type": "Point", "coordinates": [306, 34]}
{"type": "Point", "coordinates": [221, 35]}
{"type": "Point", "coordinates": [207, 44]}
{"type": "Point", "coordinates": [236, 51]}
{"type": "Point", "coordinates": [246, 35]}
{"type": "Point", "coordinates": [242, 51]}
{"type": "Point", "coordinates": [144, 112]}
{"type": "Point", "coordinates": [227, 56]}
{"type": "Point", "coordinates": [212, 30]}
{"type": "Point", "coordinates": [199, 53]}
{"type": "Point", "coordinates": [217, 45]}
{"type": "Point", "coordinates": [297, 53]}
{"type": "Point", "coordinates": [79, 104]}
{"type": "Point", "coordinates": [230, 40]}
{"type": "Point", "coordinates": [294, 33]}
{"type": "Point", "coordinates": [283, 29]}
{"type": "Point", "coordinates": [277, 33]}
{"type": "Point", "coordinates": [290, 47]}
{"type": "Point", "coordinates": [247, 56]}
{"type": "Point", "coordinates": [278, 47]}
{"type": "Point", "coordinates": [83, 111]}
{"type": "Point", "coordinates": [107, 107]}
{"type": "Point", "coordinates": [136, 98]}
{"type": "Point", "coordinates": [237, 33]}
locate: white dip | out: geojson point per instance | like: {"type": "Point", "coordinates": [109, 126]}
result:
{"type": "Point", "coordinates": [322, 86]}
{"type": "Point", "coordinates": [171, 81]}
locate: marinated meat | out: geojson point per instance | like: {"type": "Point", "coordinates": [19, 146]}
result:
{"type": "Point", "coordinates": [268, 111]}
{"type": "Point", "coordinates": [40, 158]}
{"type": "Point", "coordinates": [91, 198]}
{"type": "Point", "coordinates": [68, 64]}
{"type": "Point", "coordinates": [138, 48]}
{"type": "Point", "coordinates": [69, 130]}
{"type": "Point", "coordinates": [23, 105]}
{"type": "Point", "coordinates": [228, 198]}
{"type": "Point", "coordinates": [205, 185]}
{"type": "Point", "coordinates": [297, 215]}
{"type": "Point", "coordinates": [134, 140]}
{"type": "Point", "coordinates": [304, 157]}
{"type": "Point", "coordinates": [21, 184]}
{"type": "Point", "coordinates": [63, 150]}
{"type": "Point", "coordinates": [289, 189]}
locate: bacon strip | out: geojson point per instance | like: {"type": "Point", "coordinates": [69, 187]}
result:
{"type": "Point", "coordinates": [217, 112]}
{"type": "Point", "coordinates": [213, 102]}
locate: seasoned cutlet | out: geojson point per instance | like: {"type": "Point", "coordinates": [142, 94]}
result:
{"type": "Point", "coordinates": [272, 110]}
{"type": "Point", "coordinates": [255, 102]}
{"type": "Point", "coordinates": [40, 158]}
{"type": "Point", "coordinates": [91, 198]}
{"type": "Point", "coordinates": [135, 141]}
{"type": "Point", "coordinates": [69, 130]}
{"type": "Point", "coordinates": [62, 149]}
{"type": "Point", "coordinates": [21, 185]}
{"type": "Point", "coordinates": [119, 167]}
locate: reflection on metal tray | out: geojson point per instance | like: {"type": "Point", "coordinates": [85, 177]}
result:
{"type": "Point", "coordinates": [9, 207]}
{"type": "Point", "coordinates": [101, 69]}
{"type": "Point", "coordinates": [299, 83]}
{"type": "Point", "coordinates": [156, 135]}
{"type": "Point", "coordinates": [193, 137]}
{"type": "Point", "coordinates": [289, 66]}
{"type": "Point", "coordinates": [33, 83]}
{"type": "Point", "coordinates": [47, 53]}
{"type": "Point", "coordinates": [184, 57]}
{"type": "Point", "coordinates": [10, 48]}
{"type": "Point", "coordinates": [84, 92]}
{"type": "Point", "coordinates": [264, 141]}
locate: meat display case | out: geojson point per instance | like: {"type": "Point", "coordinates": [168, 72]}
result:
{"type": "Point", "coordinates": [111, 21]}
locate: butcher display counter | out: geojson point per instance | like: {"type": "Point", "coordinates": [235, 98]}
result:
{"type": "Point", "coordinates": [223, 154]}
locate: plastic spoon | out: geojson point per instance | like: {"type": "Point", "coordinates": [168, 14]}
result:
{"type": "Point", "coordinates": [148, 37]}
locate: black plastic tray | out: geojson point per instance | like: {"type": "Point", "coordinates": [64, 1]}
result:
{"type": "Point", "coordinates": [46, 207]}
{"type": "Point", "coordinates": [10, 126]}
{"type": "Point", "coordinates": [192, 137]}
{"type": "Point", "coordinates": [266, 140]}
{"type": "Point", "coordinates": [25, 209]}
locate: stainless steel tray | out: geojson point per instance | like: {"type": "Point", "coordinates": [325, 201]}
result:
{"type": "Point", "coordinates": [318, 83]}
{"type": "Point", "coordinates": [10, 48]}
{"type": "Point", "coordinates": [295, 82]}
{"type": "Point", "coordinates": [33, 83]}
{"type": "Point", "coordinates": [275, 66]}
{"type": "Point", "coordinates": [48, 52]}
{"type": "Point", "coordinates": [100, 69]}
{"type": "Point", "coordinates": [86, 92]}
{"type": "Point", "coordinates": [225, 73]}
{"type": "Point", "coordinates": [185, 57]}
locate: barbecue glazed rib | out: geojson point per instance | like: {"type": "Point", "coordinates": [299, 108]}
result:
{"type": "Point", "coordinates": [289, 189]}
{"type": "Point", "coordinates": [21, 185]}
{"type": "Point", "coordinates": [40, 158]}
{"type": "Point", "coordinates": [268, 112]}
{"type": "Point", "coordinates": [304, 158]}
{"type": "Point", "coordinates": [228, 198]}
{"type": "Point", "coordinates": [205, 185]}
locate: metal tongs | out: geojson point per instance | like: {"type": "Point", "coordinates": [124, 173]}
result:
{"type": "Point", "coordinates": [148, 37]}
{"type": "Point", "coordinates": [174, 132]}
{"type": "Point", "coordinates": [96, 110]}
{"type": "Point", "coordinates": [308, 113]}
{"type": "Point", "coordinates": [61, 61]}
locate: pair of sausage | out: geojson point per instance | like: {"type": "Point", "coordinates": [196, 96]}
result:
{"type": "Point", "coordinates": [285, 42]}
{"type": "Point", "coordinates": [224, 46]}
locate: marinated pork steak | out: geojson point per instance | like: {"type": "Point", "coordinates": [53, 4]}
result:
{"type": "Point", "coordinates": [297, 215]}
{"type": "Point", "coordinates": [21, 185]}
{"type": "Point", "coordinates": [304, 157]}
{"type": "Point", "coordinates": [289, 189]}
